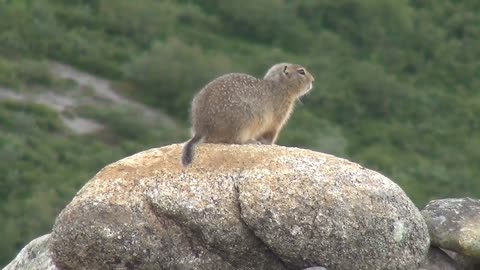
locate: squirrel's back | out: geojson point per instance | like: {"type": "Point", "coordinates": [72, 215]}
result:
{"type": "Point", "coordinates": [227, 102]}
{"type": "Point", "coordinates": [239, 108]}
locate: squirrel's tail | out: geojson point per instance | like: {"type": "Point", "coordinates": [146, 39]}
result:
{"type": "Point", "coordinates": [188, 150]}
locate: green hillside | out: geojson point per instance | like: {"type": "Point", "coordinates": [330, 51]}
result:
{"type": "Point", "coordinates": [396, 88]}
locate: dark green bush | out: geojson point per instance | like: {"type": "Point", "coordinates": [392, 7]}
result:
{"type": "Point", "coordinates": [172, 71]}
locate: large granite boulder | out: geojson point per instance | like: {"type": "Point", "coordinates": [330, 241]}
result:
{"type": "Point", "coordinates": [239, 207]}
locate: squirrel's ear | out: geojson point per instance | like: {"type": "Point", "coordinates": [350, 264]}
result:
{"type": "Point", "coordinates": [285, 70]}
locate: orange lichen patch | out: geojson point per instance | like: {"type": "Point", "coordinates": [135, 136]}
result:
{"type": "Point", "coordinates": [211, 157]}
{"type": "Point", "coordinates": [263, 166]}
{"type": "Point", "coordinates": [133, 174]}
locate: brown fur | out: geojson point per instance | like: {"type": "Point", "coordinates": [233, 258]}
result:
{"type": "Point", "coordinates": [238, 108]}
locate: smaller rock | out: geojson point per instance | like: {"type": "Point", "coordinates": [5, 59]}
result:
{"type": "Point", "coordinates": [439, 260]}
{"type": "Point", "coordinates": [454, 224]}
{"type": "Point", "coordinates": [34, 256]}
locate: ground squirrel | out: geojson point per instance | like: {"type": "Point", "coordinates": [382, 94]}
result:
{"type": "Point", "coordinates": [238, 108]}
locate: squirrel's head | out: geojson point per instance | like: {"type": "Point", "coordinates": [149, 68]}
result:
{"type": "Point", "coordinates": [296, 77]}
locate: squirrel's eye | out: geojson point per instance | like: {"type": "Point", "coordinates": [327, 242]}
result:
{"type": "Point", "coordinates": [301, 71]}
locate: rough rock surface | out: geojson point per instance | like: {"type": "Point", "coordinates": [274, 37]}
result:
{"type": "Point", "coordinates": [464, 262]}
{"type": "Point", "coordinates": [439, 260]}
{"type": "Point", "coordinates": [239, 207]}
{"type": "Point", "coordinates": [454, 224]}
{"type": "Point", "coordinates": [34, 256]}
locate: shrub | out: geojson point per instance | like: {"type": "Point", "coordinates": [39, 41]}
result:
{"type": "Point", "coordinates": [171, 72]}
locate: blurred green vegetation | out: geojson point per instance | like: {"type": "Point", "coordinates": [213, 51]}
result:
{"type": "Point", "coordinates": [396, 87]}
